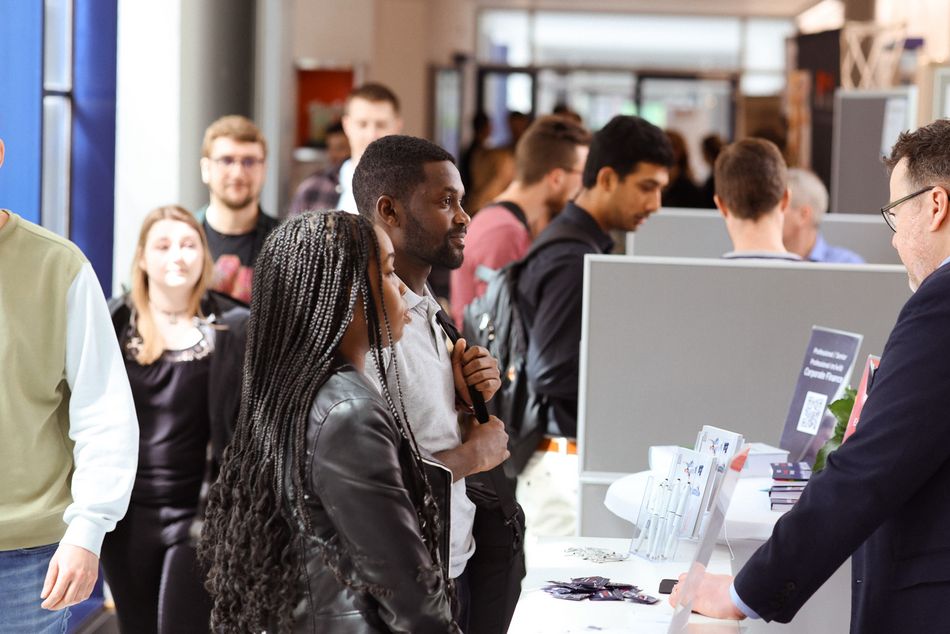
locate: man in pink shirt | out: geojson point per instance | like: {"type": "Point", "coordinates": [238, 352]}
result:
{"type": "Point", "coordinates": [549, 160]}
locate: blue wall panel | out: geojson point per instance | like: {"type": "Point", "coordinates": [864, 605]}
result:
{"type": "Point", "coordinates": [21, 105]}
{"type": "Point", "coordinates": [93, 157]}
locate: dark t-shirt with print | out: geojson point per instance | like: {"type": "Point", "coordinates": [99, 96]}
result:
{"type": "Point", "coordinates": [241, 245]}
{"type": "Point", "coordinates": [234, 257]}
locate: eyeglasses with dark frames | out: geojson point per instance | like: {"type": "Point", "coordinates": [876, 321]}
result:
{"type": "Point", "coordinates": [247, 162]}
{"type": "Point", "coordinates": [889, 216]}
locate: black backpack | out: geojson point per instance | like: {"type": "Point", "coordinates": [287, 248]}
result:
{"type": "Point", "coordinates": [494, 321]}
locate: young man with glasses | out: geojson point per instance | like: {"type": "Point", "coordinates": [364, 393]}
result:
{"type": "Point", "coordinates": [882, 498]}
{"type": "Point", "coordinates": [549, 160]}
{"type": "Point", "coordinates": [232, 166]}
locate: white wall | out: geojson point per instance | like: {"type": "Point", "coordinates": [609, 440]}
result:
{"type": "Point", "coordinates": [391, 41]}
{"type": "Point", "coordinates": [334, 32]}
{"type": "Point", "coordinates": [276, 98]}
{"type": "Point", "coordinates": [929, 19]}
{"type": "Point", "coordinates": [148, 119]}
{"type": "Point", "coordinates": [399, 57]}
{"type": "Point", "coordinates": [181, 64]}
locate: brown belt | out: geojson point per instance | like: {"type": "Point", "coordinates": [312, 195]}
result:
{"type": "Point", "coordinates": [558, 445]}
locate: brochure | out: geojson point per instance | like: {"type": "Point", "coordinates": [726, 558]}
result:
{"type": "Point", "coordinates": [694, 468]}
{"type": "Point", "coordinates": [829, 361]}
{"type": "Point", "coordinates": [722, 445]}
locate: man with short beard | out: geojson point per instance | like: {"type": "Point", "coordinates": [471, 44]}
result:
{"type": "Point", "coordinates": [412, 190]}
{"type": "Point", "coordinates": [232, 166]}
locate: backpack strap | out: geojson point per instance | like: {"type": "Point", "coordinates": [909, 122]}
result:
{"type": "Point", "coordinates": [561, 232]}
{"type": "Point", "coordinates": [517, 212]}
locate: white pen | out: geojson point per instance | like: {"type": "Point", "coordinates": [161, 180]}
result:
{"type": "Point", "coordinates": [660, 515]}
{"type": "Point", "coordinates": [654, 517]}
{"type": "Point", "coordinates": [670, 526]}
{"type": "Point", "coordinates": [650, 494]}
{"type": "Point", "coordinates": [665, 520]}
{"type": "Point", "coordinates": [677, 520]}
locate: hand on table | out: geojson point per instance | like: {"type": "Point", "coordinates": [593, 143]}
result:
{"type": "Point", "coordinates": [712, 598]}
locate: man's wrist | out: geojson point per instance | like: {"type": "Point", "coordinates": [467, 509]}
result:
{"type": "Point", "coordinates": [85, 534]}
{"type": "Point", "coordinates": [741, 605]}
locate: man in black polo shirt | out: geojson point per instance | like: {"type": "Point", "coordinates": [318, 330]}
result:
{"type": "Point", "coordinates": [627, 167]}
{"type": "Point", "coordinates": [232, 166]}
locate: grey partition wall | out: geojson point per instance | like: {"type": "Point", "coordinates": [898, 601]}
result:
{"type": "Point", "coordinates": [671, 344]}
{"type": "Point", "coordinates": [686, 233]}
{"type": "Point", "coordinates": [866, 125]}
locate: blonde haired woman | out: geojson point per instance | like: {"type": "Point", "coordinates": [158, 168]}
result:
{"type": "Point", "coordinates": [183, 347]}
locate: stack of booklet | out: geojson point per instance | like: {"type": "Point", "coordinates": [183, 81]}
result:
{"type": "Point", "coordinates": [788, 482]}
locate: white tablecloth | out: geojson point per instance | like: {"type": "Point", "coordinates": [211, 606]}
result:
{"type": "Point", "coordinates": [540, 613]}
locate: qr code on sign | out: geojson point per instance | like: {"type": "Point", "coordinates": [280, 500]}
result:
{"type": "Point", "coordinates": [812, 412]}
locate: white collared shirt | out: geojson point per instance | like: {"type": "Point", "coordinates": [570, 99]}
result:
{"type": "Point", "coordinates": [347, 201]}
{"type": "Point", "coordinates": [428, 389]}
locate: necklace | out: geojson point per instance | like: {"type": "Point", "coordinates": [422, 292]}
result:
{"type": "Point", "coordinates": [170, 316]}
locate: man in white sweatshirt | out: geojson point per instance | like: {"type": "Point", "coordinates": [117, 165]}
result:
{"type": "Point", "coordinates": [68, 424]}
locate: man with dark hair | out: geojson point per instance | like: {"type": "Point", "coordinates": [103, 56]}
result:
{"type": "Point", "coordinates": [232, 166]}
{"type": "Point", "coordinates": [518, 123]}
{"type": "Point", "coordinates": [882, 497]}
{"type": "Point", "coordinates": [371, 111]}
{"type": "Point", "coordinates": [801, 231]}
{"type": "Point", "coordinates": [563, 110]}
{"type": "Point", "coordinates": [627, 167]}
{"type": "Point", "coordinates": [711, 146]}
{"type": "Point", "coordinates": [549, 161]}
{"type": "Point", "coordinates": [412, 190]}
{"type": "Point", "coordinates": [752, 195]}
{"type": "Point", "coordinates": [481, 131]}
{"type": "Point", "coordinates": [321, 190]}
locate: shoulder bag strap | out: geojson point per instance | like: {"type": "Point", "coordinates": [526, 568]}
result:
{"type": "Point", "coordinates": [502, 486]}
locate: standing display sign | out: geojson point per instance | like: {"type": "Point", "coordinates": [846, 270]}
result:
{"type": "Point", "coordinates": [829, 361]}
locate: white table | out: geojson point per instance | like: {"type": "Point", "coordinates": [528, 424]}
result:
{"type": "Point", "coordinates": [540, 613]}
{"type": "Point", "coordinates": [749, 524]}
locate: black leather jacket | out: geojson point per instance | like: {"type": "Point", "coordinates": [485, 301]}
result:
{"type": "Point", "coordinates": [356, 486]}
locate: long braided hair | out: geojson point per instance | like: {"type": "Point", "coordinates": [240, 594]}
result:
{"type": "Point", "coordinates": [308, 277]}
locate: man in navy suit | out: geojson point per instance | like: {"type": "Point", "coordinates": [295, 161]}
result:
{"type": "Point", "coordinates": [884, 496]}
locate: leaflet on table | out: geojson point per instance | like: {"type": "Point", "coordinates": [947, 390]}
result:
{"type": "Point", "coordinates": [867, 381]}
{"type": "Point", "coordinates": [693, 468]}
{"type": "Point", "coordinates": [829, 361]}
{"type": "Point", "coordinates": [722, 445]}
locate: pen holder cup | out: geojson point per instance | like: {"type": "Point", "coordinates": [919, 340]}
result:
{"type": "Point", "coordinates": [656, 536]}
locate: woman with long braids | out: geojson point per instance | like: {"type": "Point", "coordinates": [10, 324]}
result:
{"type": "Point", "coordinates": [322, 519]}
{"type": "Point", "coordinates": [183, 347]}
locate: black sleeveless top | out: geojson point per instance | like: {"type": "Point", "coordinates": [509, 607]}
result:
{"type": "Point", "coordinates": [171, 401]}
